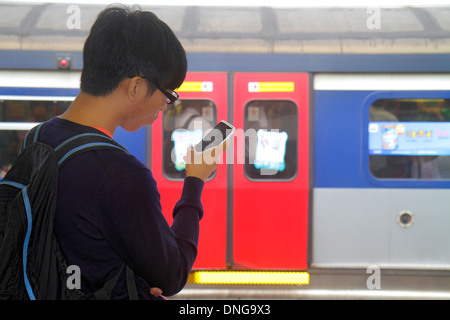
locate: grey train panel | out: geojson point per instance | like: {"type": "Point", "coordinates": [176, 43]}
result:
{"type": "Point", "coordinates": [362, 227]}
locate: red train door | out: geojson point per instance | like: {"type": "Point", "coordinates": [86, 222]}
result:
{"type": "Point", "coordinates": [271, 171]}
{"type": "Point", "coordinates": [202, 103]}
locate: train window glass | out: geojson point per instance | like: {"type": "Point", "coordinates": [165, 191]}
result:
{"type": "Point", "coordinates": [184, 124]}
{"type": "Point", "coordinates": [409, 139]}
{"type": "Point", "coordinates": [271, 131]}
{"type": "Point", "coordinates": [22, 111]}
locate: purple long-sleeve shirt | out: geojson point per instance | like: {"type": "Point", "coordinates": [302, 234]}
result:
{"type": "Point", "coordinates": [109, 212]}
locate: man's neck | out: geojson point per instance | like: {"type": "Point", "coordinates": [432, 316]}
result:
{"type": "Point", "coordinates": [98, 112]}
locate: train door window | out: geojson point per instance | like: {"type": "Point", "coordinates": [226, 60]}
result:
{"type": "Point", "coordinates": [410, 139]}
{"type": "Point", "coordinates": [184, 124]}
{"type": "Point", "coordinates": [15, 113]}
{"type": "Point", "coordinates": [271, 131]}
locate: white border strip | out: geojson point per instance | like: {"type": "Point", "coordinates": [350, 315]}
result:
{"type": "Point", "coordinates": [392, 266]}
{"type": "Point", "coordinates": [306, 293]}
{"type": "Point", "coordinates": [40, 79]}
{"type": "Point", "coordinates": [269, 3]}
{"type": "Point", "coordinates": [17, 125]}
{"type": "Point", "coordinates": [382, 81]}
{"type": "Point", "coordinates": [37, 98]}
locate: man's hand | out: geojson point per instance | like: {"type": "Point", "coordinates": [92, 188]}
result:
{"type": "Point", "coordinates": [201, 165]}
{"type": "Point", "coordinates": [156, 292]}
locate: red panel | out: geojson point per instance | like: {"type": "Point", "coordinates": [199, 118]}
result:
{"type": "Point", "coordinates": [270, 219]}
{"type": "Point", "coordinates": [212, 242]}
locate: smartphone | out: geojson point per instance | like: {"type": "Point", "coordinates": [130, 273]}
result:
{"type": "Point", "coordinates": [216, 137]}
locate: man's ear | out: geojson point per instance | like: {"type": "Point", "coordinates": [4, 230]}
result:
{"type": "Point", "coordinates": [134, 85]}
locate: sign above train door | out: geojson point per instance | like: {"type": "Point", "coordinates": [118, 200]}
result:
{"type": "Point", "coordinates": [271, 86]}
{"type": "Point", "coordinates": [271, 171]}
{"type": "Point", "coordinates": [197, 86]}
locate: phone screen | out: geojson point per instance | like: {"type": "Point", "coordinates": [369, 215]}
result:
{"type": "Point", "coordinates": [215, 137]}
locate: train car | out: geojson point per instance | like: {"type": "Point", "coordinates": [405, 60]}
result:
{"type": "Point", "coordinates": [337, 180]}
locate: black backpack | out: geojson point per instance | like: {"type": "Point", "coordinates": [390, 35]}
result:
{"type": "Point", "coordinates": [32, 265]}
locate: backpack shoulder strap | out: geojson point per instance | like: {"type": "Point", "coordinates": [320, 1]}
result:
{"type": "Point", "coordinates": [75, 145]}
{"type": "Point", "coordinates": [84, 142]}
{"type": "Point", "coordinates": [31, 136]}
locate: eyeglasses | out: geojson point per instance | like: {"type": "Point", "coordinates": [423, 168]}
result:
{"type": "Point", "coordinates": [171, 97]}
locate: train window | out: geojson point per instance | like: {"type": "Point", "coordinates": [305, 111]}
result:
{"type": "Point", "coordinates": [184, 124]}
{"type": "Point", "coordinates": [15, 112]}
{"type": "Point", "coordinates": [271, 130]}
{"type": "Point", "coordinates": [410, 139]}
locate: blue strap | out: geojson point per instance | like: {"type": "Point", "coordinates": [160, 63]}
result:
{"type": "Point", "coordinates": [26, 202]}
{"type": "Point", "coordinates": [30, 139]}
{"type": "Point", "coordinates": [12, 183]}
{"type": "Point", "coordinates": [81, 136]}
{"type": "Point", "coordinates": [86, 146]}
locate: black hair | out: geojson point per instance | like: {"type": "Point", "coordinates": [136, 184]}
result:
{"type": "Point", "coordinates": [125, 42]}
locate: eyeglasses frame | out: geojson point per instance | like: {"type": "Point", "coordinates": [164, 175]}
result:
{"type": "Point", "coordinates": [171, 97]}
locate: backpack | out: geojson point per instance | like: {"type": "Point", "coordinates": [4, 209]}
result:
{"type": "Point", "coordinates": [32, 265]}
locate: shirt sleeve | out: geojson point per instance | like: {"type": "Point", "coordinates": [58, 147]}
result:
{"type": "Point", "coordinates": [136, 229]}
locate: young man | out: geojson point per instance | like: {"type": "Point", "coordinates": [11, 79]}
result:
{"type": "Point", "coordinates": [108, 209]}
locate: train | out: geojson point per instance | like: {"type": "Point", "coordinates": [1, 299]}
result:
{"type": "Point", "coordinates": [340, 165]}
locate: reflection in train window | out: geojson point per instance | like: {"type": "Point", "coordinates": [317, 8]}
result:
{"type": "Point", "coordinates": [184, 124]}
{"type": "Point", "coordinates": [271, 130]}
{"type": "Point", "coordinates": [16, 111]}
{"type": "Point", "coordinates": [410, 139]}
